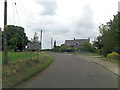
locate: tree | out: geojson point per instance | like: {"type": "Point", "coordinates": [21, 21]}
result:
{"type": "Point", "coordinates": [35, 38]}
{"type": "Point", "coordinates": [109, 39]}
{"type": "Point", "coordinates": [54, 43]}
{"type": "Point", "coordinates": [56, 49]}
{"type": "Point", "coordinates": [63, 48]}
{"type": "Point", "coordinates": [62, 45]}
{"type": "Point", "coordinates": [86, 46]}
{"type": "Point", "coordinates": [15, 38]}
{"type": "Point", "coordinates": [98, 43]}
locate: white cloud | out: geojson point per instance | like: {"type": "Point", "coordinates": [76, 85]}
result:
{"type": "Point", "coordinates": [49, 8]}
{"type": "Point", "coordinates": [60, 19]}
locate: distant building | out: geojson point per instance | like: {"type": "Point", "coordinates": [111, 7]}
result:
{"type": "Point", "coordinates": [76, 43]}
{"type": "Point", "coordinates": [33, 46]}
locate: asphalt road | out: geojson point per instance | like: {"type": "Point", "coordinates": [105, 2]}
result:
{"type": "Point", "coordinates": [70, 71]}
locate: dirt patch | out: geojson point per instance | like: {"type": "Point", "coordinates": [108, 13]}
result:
{"type": "Point", "coordinates": [18, 67]}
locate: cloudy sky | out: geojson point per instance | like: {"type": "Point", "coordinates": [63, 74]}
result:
{"type": "Point", "coordinates": [60, 19]}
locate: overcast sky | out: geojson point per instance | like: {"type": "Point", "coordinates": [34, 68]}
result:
{"type": "Point", "coordinates": [60, 19]}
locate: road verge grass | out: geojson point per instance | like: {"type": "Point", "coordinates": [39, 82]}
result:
{"type": "Point", "coordinates": [20, 71]}
{"type": "Point", "coordinates": [15, 56]}
{"type": "Point", "coordinates": [95, 55]}
{"type": "Point", "coordinates": [111, 60]}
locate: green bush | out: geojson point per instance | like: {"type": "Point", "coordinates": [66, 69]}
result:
{"type": "Point", "coordinates": [106, 51]}
{"type": "Point", "coordinates": [88, 47]}
{"type": "Point", "coordinates": [113, 55]}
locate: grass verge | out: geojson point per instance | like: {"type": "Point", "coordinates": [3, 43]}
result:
{"type": "Point", "coordinates": [15, 56]}
{"type": "Point", "coordinates": [98, 56]}
{"type": "Point", "coordinates": [85, 53]}
{"type": "Point", "coordinates": [111, 60]}
{"type": "Point", "coordinates": [18, 72]}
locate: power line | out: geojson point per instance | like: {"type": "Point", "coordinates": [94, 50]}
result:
{"type": "Point", "coordinates": [14, 5]}
{"type": "Point", "coordinates": [13, 12]}
{"type": "Point", "coordinates": [17, 12]}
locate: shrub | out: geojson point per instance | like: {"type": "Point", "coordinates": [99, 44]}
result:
{"type": "Point", "coordinates": [106, 51]}
{"type": "Point", "coordinates": [88, 47]}
{"type": "Point", "coordinates": [114, 55]}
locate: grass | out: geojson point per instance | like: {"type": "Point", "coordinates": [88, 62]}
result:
{"type": "Point", "coordinates": [111, 60]}
{"type": "Point", "coordinates": [15, 56]}
{"type": "Point", "coordinates": [28, 68]}
{"type": "Point", "coordinates": [85, 53]}
{"type": "Point", "coordinates": [98, 56]}
{"type": "Point", "coordinates": [0, 57]}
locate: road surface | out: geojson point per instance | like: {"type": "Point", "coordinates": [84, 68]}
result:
{"type": "Point", "coordinates": [69, 71]}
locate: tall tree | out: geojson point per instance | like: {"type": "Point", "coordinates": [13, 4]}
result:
{"type": "Point", "coordinates": [35, 38]}
{"type": "Point", "coordinates": [55, 44]}
{"type": "Point", "coordinates": [109, 36]}
{"type": "Point", "coordinates": [15, 38]}
{"type": "Point", "coordinates": [98, 43]}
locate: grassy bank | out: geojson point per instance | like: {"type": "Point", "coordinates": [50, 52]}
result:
{"type": "Point", "coordinates": [20, 71]}
{"type": "Point", "coordinates": [15, 56]}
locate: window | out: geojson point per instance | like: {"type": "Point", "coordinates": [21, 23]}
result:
{"type": "Point", "coordinates": [76, 43]}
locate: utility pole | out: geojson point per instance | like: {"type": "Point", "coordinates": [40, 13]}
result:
{"type": "Point", "coordinates": [51, 43]}
{"type": "Point", "coordinates": [5, 33]}
{"type": "Point", "coordinates": [41, 40]}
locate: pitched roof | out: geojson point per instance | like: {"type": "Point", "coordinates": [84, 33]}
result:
{"type": "Point", "coordinates": [33, 46]}
{"type": "Point", "coordinates": [76, 41]}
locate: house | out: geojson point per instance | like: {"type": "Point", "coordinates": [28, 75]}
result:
{"type": "Point", "coordinates": [76, 43]}
{"type": "Point", "coordinates": [33, 46]}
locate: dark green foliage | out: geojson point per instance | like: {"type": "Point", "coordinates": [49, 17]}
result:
{"type": "Point", "coordinates": [63, 48]}
{"type": "Point", "coordinates": [110, 36]}
{"type": "Point", "coordinates": [56, 49]}
{"type": "Point", "coordinates": [118, 33]}
{"type": "Point", "coordinates": [16, 37]}
{"type": "Point", "coordinates": [55, 44]}
{"type": "Point", "coordinates": [46, 50]}
{"type": "Point", "coordinates": [62, 45]}
{"type": "Point", "coordinates": [98, 43]}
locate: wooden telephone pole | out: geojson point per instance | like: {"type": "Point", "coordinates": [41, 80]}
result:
{"type": "Point", "coordinates": [5, 33]}
{"type": "Point", "coordinates": [41, 40]}
{"type": "Point", "coordinates": [51, 43]}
